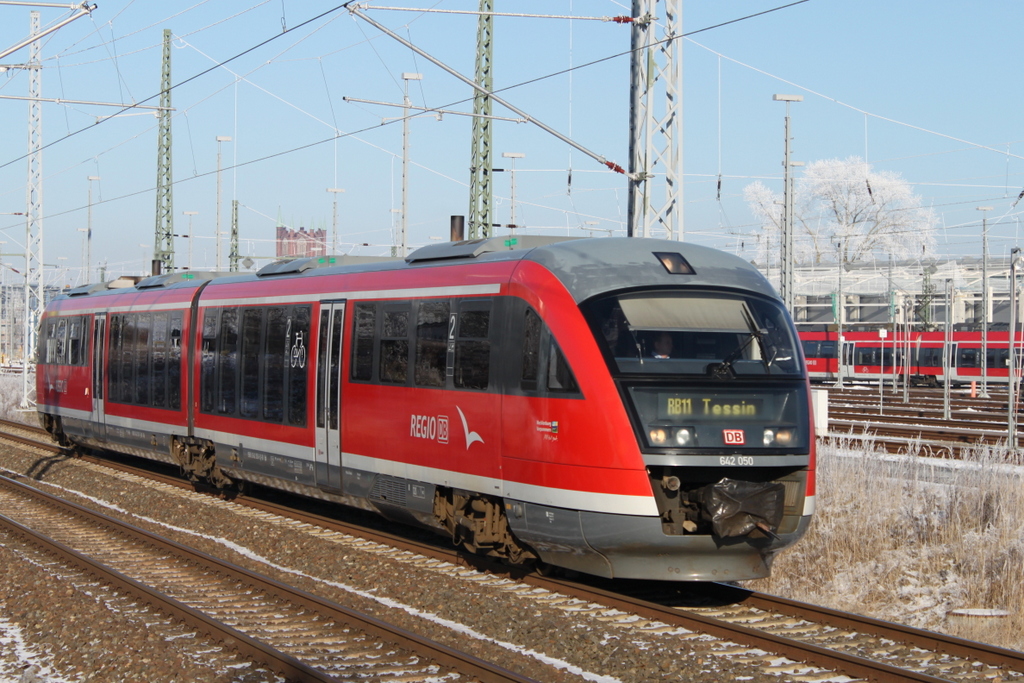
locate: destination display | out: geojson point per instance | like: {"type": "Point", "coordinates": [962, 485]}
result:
{"type": "Point", "coordinates": [674, 406]}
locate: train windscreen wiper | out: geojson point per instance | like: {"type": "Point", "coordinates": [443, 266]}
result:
{"type": "Point", "coordinates": [761, 335]}
{"type": "Point", "coordinates": [725, 369]}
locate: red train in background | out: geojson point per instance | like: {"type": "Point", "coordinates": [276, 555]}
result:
{"type": "Point", "coordinates": [919, 356]}
{"type": "Point", "coordinates": [621, 407]}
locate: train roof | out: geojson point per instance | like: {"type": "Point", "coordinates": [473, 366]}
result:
{"type": "Point", "coordinates": [592, 267]}
{"type": "Point", "coordinates": [588, 267]}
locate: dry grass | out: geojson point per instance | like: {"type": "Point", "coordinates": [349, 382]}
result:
{"type": "Point", "coordinates": [908, 539]}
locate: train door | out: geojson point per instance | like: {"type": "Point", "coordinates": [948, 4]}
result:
{"type": "Point", "coordinates": [328, 395]}
{"type": "Point", "coordinates": [99, 370]}
{"type": "Point", "coordinates": [847, 356]}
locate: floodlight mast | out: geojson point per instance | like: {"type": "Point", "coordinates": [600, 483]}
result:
{"type": "Point", "coordinates": [985, 301]}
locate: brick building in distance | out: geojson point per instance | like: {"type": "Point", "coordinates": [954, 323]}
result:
{"type": "Point", "coordinates": [300, 243]}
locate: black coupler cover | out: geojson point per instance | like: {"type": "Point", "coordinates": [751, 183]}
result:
{"type": "Point", "coordinates": [736, 508]}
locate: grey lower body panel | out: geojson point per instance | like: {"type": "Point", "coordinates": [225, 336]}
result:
{"type": "Point", "coordinates": [602, 544]}
{"type": "Point", "coordinates": [633, 547]}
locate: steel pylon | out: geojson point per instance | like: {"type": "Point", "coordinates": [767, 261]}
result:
{"type": "Point", "coordinates": [35, 302]}
{"type": "Point", "coordinates": [481, 194]}
{"type": "Point", "coordinates": [163, 247]}
{"type": "Point", "coordinates": [655, 206]}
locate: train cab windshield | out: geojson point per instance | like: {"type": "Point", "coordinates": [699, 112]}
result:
{"type": "Point", "coordinates": [706, 333]}
{"type": "Point", "coordinates": [706, 370]}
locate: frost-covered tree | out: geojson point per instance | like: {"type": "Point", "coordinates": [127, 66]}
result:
{"type": "Point", "coordinates": [842, 205]}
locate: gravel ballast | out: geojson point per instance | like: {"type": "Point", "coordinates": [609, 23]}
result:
{"type": "Point", "coordinates": [87, 638]}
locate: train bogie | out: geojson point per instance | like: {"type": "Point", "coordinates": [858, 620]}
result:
{"type": "Point", "coordinates": [588, 404]}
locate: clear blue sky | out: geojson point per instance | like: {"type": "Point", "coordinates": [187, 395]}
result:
{"type": "Point", "coordinates": [924, 89]}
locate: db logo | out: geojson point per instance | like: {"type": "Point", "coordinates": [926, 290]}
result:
{"type": "Point", "coordinates": [733, 437]}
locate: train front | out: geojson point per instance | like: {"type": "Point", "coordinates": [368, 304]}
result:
{"type": "Point", "coordinates": [707, 364]}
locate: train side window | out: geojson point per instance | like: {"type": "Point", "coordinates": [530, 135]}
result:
{"type": "Point", "coordinates": [114, 359]}
{"type": "Point", "coordinates": [297, 373]}
{"type": "Point", "coordinates": [472, 345]}
{"type": "Point", "coordinates": [532, 327]}
{"type": "Point", "coordinates": [174, 362]}
{"type": "Point", "coordinates": [208, 359]}
{"type": "Point", "coordinates": [969, 358]}
{"type": "Point", "coordinates": [227, 362]}
{"type": "Point", "coordinates": [560, 377]}
{"type": "Point", "coordinates": [394, 344]}
{"type": "Point", "coordinates": [59, 343]}
{"type": "Point", "coordinates": [48, 335]}
{"type": "Point", "coordinates": [930, 357]}
{"type": "Point", "coordinates": [431, 343]}
{"type": "Point", "coordinates": [76, 340]}
{"type": "Point", "coordinates": [362, 341]}
{"type": "Point", "coordinates": [273, 365]}
{"type": "Point", "coordinates": [128, 335]}
{"type": "Point", "coordinates": [143, 323]}
{"type": "Point", "coordinates": [252, 319]}
{"type": "Point", "coordinates": [159, 353]}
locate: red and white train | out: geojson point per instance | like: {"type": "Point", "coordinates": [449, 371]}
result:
{"type": "Point", "coordinates": [919, 356]}
{"type": "Point", "coordinates": [621, 407]}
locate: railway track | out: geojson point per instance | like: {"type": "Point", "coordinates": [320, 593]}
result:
{"type": "Point", "coordinates": [293, 633]}
{"type": "Point", "coordinates": [919, 426]}
{"type": "Point", "coordinates": [755, 629]}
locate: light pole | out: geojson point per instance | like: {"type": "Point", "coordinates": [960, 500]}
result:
{"type": "Point", "coordinates": [984, 299]}
{"type": "Point", "coordinates": [88, 234]}
{"type": "Point", "coordinates": [405, 159]}
{"type": "Point", "coordinates": [1011, 399]}
{"type": "Point", "coordinates": [840, 313]}
{"type": "Point", "coordinates": [85, 258]}
{"type": "Point", "coordinates": [947, 352]}
{"type": "Point", "coordinates": [220, 139]}
{"type": "Point", "coordinates": [512, 174]}
{"type": "Point", "coordinates": [190, 214]}
{"type": "Point", "coordinates": [786, 269]}
{"type": "Point", "coordinates": [334, 223]}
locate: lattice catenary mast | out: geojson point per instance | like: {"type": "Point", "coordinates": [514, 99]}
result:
{"type": "Point", "coordinates": [655, 134]}
{"type": "Point", "coordinates": [163, 247]}
{"type": "Point", "coordinates": [34, 291]}
{"type": "Point", "coordinates": [481, 194]}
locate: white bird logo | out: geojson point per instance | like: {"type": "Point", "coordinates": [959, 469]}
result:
{"type": "Point", "coordinates": [470, 436]}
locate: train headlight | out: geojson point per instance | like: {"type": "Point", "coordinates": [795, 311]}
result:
{"type": "Point", "coordinates": [658, 436]}
{"type": "Point", "coordinates": [782, 437]}
{"type": "Point", "coordinates": [684, 436]}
